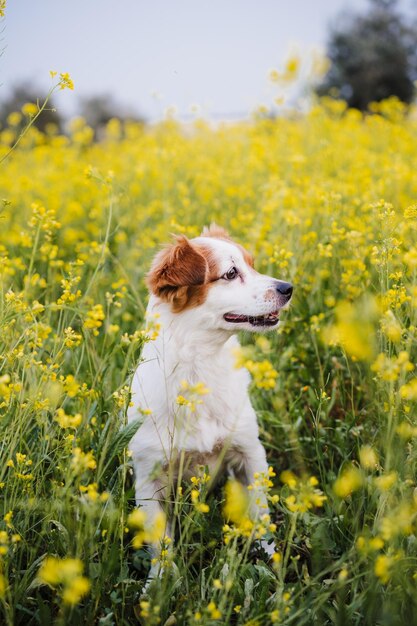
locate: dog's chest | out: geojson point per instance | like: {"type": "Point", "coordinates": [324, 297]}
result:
{"type": "Point", "coordinates": [203, 420]}
{"type": "Point", "coordinates": [195, 404]}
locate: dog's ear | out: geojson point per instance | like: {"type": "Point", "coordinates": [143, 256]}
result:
{"type": "Point", "coordinates": [176, 267]}
{"type": "Point", "coordinates": [215, 231]}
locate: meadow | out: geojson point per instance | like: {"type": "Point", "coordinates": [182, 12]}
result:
{"type": "Point", "coordinates": [326, 200]}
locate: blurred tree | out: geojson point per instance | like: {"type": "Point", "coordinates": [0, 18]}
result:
{"type": "Point", "coordinates": [99, 110]}
{"type": "Point", "coordinates": [23, 94]}
{"type": "Point", "coordinates": [372, 57]}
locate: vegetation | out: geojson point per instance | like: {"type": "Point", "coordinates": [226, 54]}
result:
{"type": "Point", "coordinates": [372, 57]}
{"type": "Point", "coordinates": [325, 200]}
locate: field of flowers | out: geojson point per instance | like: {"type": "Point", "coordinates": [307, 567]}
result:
{"type": "Point", "coordinates": [326, 200]}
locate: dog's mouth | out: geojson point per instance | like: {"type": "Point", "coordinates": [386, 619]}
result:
{"type": "Point", "coordinates": [270, 319]}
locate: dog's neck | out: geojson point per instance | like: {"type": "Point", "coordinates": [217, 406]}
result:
{"type": "Point", "coordinates": [181, 338]}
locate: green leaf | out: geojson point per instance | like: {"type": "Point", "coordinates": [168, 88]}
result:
{"type": "Point", "coordinates": [120, 440]}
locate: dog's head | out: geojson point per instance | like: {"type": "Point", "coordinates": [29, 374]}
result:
{"type": "Point", "coordinates": [216, 275]}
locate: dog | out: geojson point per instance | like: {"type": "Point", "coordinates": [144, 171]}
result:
{"type": "Point", "coordinates": [203, 290]}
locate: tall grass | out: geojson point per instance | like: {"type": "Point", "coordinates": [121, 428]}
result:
{"type": "Point", "coordinates": [326, 200]}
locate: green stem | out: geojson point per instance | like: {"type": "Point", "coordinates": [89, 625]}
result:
{"type": "Point", "coordinates": [287, 553]}
{"type": "Point", "coordinates": [29, 125]}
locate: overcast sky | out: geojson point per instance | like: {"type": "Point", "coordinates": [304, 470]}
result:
{"type": "Point", "coordinates": [153, 54]}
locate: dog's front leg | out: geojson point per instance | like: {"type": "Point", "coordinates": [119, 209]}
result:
{"type": "Point", "coordinates": [253, 463]}
{"type": "Point", "coordinates": [149, 497]}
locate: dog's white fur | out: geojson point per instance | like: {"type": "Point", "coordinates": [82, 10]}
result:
{"type": "Point", "coordinates": [196, 345]}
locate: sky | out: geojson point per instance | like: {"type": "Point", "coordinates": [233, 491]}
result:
{"type": "Point", "coordinates": [150, 55]}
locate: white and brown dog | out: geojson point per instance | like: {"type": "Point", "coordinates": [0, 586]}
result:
{"type": "Point", "coordinates": [204, 290]}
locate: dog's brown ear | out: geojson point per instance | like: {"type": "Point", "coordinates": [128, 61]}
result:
{"type": "Point", "coordinates": [215, 231]}
{"type": "Point", "coordinates": [178, 266]}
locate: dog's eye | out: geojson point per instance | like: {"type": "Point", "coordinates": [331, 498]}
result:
{"type": "Point", "coordinates": [231, 274]}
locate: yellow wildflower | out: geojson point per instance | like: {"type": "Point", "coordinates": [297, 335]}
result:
{"type": "Point", "coordinates": [305, 494]}
{"type": "Point", "coordinates": [368, 457]}
{"type": "Point", "coordinates": [67, 421]}
{"type": "Point", "coordinates": [214, 612]}
{"type": "Point", "coordinates": [353, 329]}
{"type": "Point", "coordinates": [350, 480]}
{"type": "Point", "coordinates": [82, 461]}
{"type": "Point", "coordinates": [236, 504]}
{"type": "Point", "coordinates": [382, 568]}
{"type": "Point", "coordinates": [94, 318]}
{"type": "Point", "coordinates": [65, 81]}
{"type": "Point", "coordinates": [67, 575]}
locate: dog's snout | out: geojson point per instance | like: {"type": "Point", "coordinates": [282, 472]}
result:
{"type": "Point", "coordinates": [284, 288]}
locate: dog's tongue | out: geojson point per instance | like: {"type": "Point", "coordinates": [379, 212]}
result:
{"type": "Point", "coordinates": [270, 319]}
{"type": "Point", "coordinates": [234, 317]}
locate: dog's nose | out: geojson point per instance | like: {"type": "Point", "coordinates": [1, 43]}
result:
{"type": "Point", "coordinates": [284, 288]}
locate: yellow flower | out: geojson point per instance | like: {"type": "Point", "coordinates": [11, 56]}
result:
{"type": "Point", "coordinates": [368, 457]}
{"type": "Point", "coordinates": [236, 504]}
{"type": "Point", "coordinates": [82, 461]}
{"type": "Point", "coordinates": [202, 507]}
{"type": "Point", "coordinates": [75, 590]}
{"type": "Point", "coordinates": [350, 480]}
{"type": "Point", "coordinates": [136, 519]}
{"type": "Point", "coordinates": [391, 327]}
{"type": "Point", "coordinates": [264, 374]}
{"type": "Point", "coordinates": [406, 431]}
{"type": "Point", "coordinates": [53, 571]}
{"type": "Point", "coordinates": [92, 493]}
{"type": "Point", "coordinates": [72, 339]}
{"type": "Point", "coordinates": [14, 119]}
{"type": "Point", "coordinates": [156, 533]}
{"type": "Point", "coordinates": [386, 368]}
{"type": "Point", "coordinates": [273, 76]}
{"type": "Point", "coordinates": [292, 65]}
{"type": "Point", "coordinates": [8, 519]}
{"type": "Point", "coordinates": [65, 81]}
{"type": "Point", "coordinates": [382, 568]}
{"type": "Point", "coordinates": [67, 575]}
{"type": "Point", "coordinates": [145, 533]}
{"type": "Point", "coordinates": [343, 574]}
{"type": "Point", "coordinates": [386, 481]}
{"type": "Point", "coordinates": [410, 213]}
{"type": "Point", "coordinates": [30, 109]}
{"type": "Point", "coordinates": [67, 421]}
{"type": "Point", "coordinates": [214, 612]}
{"type": "Point", "coordinates": [353, 329]}
{"type": "Point", "coordinates": [289, 478]}
{"type": "Point", "coordinates": [398, 521]}
{"type": "Point", "coordinates": [122, 397]}
{"type": "Point", "coordinates": [94, 318]}
{"type": "Point", "coordinates": [199, 388]}
{"type": "Point", "coordinates": [305, 494]}
{"type": "Point", "coordinates": [409, 391]}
